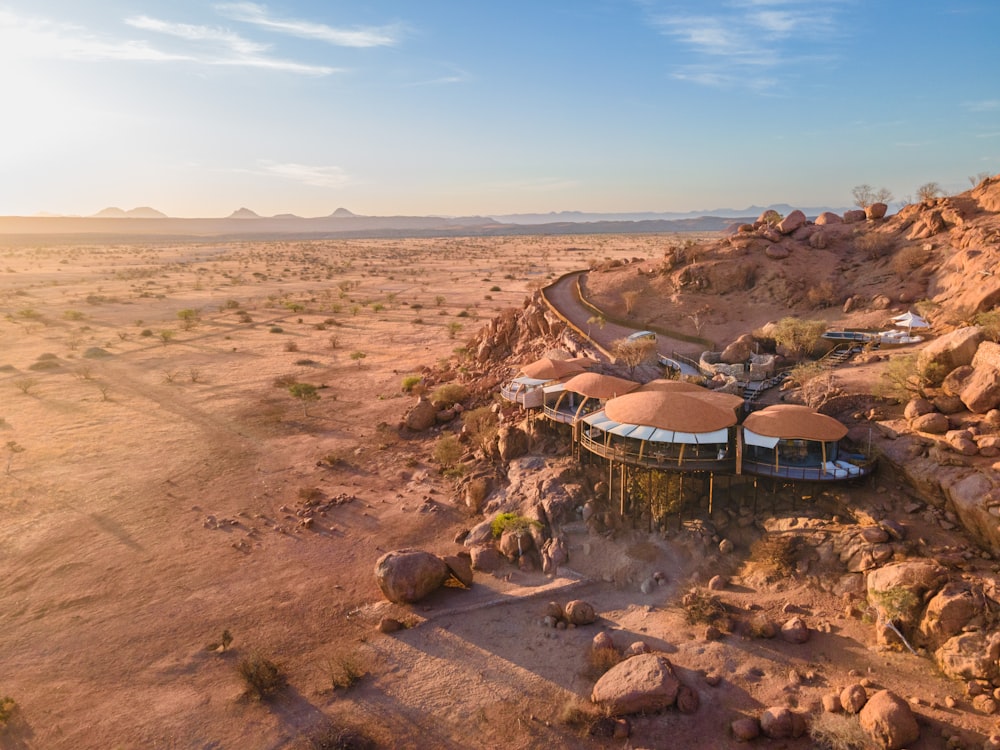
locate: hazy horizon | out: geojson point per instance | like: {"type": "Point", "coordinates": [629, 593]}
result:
{"type": "Point", "coordinates": [390, 108]}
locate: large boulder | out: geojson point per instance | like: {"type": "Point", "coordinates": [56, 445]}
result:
{"type": "Point", "coordinates": [981, 390]}
{"type": "Point", "coordinates": [944, 354]}
{"type": "Point", "coordinates": [972, 496]}
{"type": "Point", "coordinates": [738, 352]}
{"type": "Point", "coordinates": [512, 442]}
{"type": "Point", "coordinates": [422, 416]}
{"type": "Point", "coordinates": [793, 221]}
{"type": "Point", "coordinates": [970, 656]}
{"type": "Point", "coordinates": [829, 217]}
{"type": "Point", "coordinates": [897, 590]}
{"type": "Point", "coordinates": [917, 407]}
{"type": "Point", "coordinates": [875, 211]}
{"type": "Point", "coordinates": [954, 381]}
{"type": "Point", "coordinates": [642, 684]}
{"type": "Point", "coordinates": [409, 575]}
{"type": "Point", "coordinates": [987, 355]}
{"type": "Point", "coordinates": [934, 423]}
{"type": "Point", "coordinates": [887, 718]}
{"type": "Point", "coordinates": [950, 610]}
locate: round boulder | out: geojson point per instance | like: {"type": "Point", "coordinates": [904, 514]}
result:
{"type": "Point", "coordinates": [642, 684]}
{"type": "Point", "coordinates": [887, 718]}
{"type": "Point", "coordinates": [579, 612]}
{"type": "Point", "coordinates": [409, 575]}
{"type": "Point", "coordinates": [853, 698]}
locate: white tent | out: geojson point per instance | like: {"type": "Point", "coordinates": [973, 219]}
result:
{"type": "Point", "coordinates": [909, 321]}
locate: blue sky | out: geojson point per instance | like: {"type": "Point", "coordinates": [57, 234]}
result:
{"type": "Point", "coordinates": [463, 107]}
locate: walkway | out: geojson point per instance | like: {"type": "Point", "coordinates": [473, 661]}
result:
{"type": "Point", "coordinates": [562, 297]}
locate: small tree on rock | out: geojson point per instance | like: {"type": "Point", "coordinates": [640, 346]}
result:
{"type": "Point", "coordinates": [798, 336]}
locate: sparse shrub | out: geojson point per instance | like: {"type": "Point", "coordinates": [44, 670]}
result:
{"type": "Point", "coordinates": [873, 245]}
{"type": "Point", "coordinates": [146, 333]}
{"type": "Point", "coordinates": [511, 521]}
{"type": "Point", "coordinates": [24, 385]}
{"type": "Point", "coordinates": [275, 329]}
{"type": "Point", "coordinates": [231, 304]}
{"type": "Point", "coordinates": [911, 258]}
{"type": "Point", "coordinates": [929, 191]}
{"type": "Point", "coordinates": [824, 294]}
{"type": "Point", "coordinates": [702, 607]}
{"type": "Point", "coordinates": [447, 395]}
{"type": "Point", "coordinates": [73, 315]}
{"type": "Point", "coordinates": [774, 556]}
{"type": "Point", "coordinates": [8, 707]}
{"type": "Point", "coordinates": [481, 425]}
{"type": "Point", "coordinates": [409, 382]}
{"type": "Point", "coordinates": [495, 288]}
{"type": "Point", "coordinates": [188, 318]}
{"type": "Point", "coordinates": [334, 342]}
{"type": "Point", "coordinates": [244, 317]}
{"type": "Point", "coordinates": [990, 323]}
{"type": "Point", "coordinates": [13, 448]}
{"type": "Point", "coordinates": [344, 672]}
{"type": "Point", "coordinates": [600, 660]}
{"type": "Point", "coordinates": [335, 737]}
{"type": "Point", "coordinates": [262, 676]}
{"type": "Point", "coordinates": [448, 451]}
{"type": "Point", "coordinates": [291, 346]}
{"type": "Point", "coordinates": [166, 336]}
{"type": "Point", "coordinates": [838, 732]}
{"type": "Point", "coordinates": [901, 379]}
{"type": "Point", "coordinates": [803, 372]}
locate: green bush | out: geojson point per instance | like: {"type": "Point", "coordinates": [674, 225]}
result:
{"type": "Point", "coordinates": [512, 521]}
{"type": "Point", "coordinates": [276, 329]}
{"type": "Point", "coordinates": [410, 381]}
{"type": "Point", "coordinates": [447, 395]}
{"type": "Point", "coordinates": [448, 451]}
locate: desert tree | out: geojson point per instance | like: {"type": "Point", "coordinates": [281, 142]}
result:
{"type": "Point", "coordinates": [24, 385]}
{"type": "Point", "coordinates": [633, 353]}
{"type": "Point", "coordinates": [977, 179]}
{"type": "Point", "coordinates": [188, 318]}
{"type": "Point", "coordinates": [865, 195]}
{"type": "Point", "coordinates": [306, 393]}
{"type": "Point", "coordinates": [596, 320]}
{"type": "Point", "coordinates": [929, 191]}
{"type": "Point", "coordinates": [166, 335]}
{"type": "Point", "coordinates": [358, 356]}
{"type": "Point", "coordinates": [481, 425]}
{"type": "Point", "coordinates": [453, 329]}
{"type": "Point", "coordinates": [798, 336]}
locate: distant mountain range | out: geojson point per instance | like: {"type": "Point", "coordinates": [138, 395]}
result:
{"type": "Point", "coordinates": [145, 222]}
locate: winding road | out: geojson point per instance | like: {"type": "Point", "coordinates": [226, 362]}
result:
{"type": "Point", "coordinates": [562, 297]}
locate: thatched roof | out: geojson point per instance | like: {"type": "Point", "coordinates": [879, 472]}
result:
{"type": "Point", "coordinates": [679, 411]}
{"type": "Point", "coordinates": [794, 422]}
{"type": "Point", "coordinates": [682, 386]}
{"type": "Point", "coordinates": [551, 369]}
{"type": "Point", "coordinates": [593, 385]}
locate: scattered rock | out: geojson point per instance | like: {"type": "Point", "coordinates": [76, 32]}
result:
{"type": "Point", "coordinates": [795, 630]}
{"type": "Point", "coordinates": [853, 698]}
{"type": "Point", "coordinates": [389, 625]}
{"type": "Point", "coordinates": [776, 723]}
{"type": "Point", "coordinates": [579, 612]}
{"type": "Point", "coordinates": [745, 729]}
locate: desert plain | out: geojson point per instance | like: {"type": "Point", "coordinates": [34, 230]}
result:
{"type": "Point", "coordinates": [155, 472]}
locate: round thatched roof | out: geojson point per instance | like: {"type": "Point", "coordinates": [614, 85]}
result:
{"type": "Point", "coordinates": [682, 386]}
{"type": "Point", "coordinates": [794, 422]}
{"type": "Point", "coordinates": [679, 411]}
{"type": "Point", "coordinates": [593, 385]}
{"type": "Point", "coordinates": [663, 384]}
{"type": "Point", "coordinates": [551, 369]}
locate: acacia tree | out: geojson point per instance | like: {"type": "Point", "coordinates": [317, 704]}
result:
{"type": "Point", "coordinates": [633, 353]}
{"type": "Point", "coordinates": [304, 392]}
{"type": "Point", "coordinates": [865, 195]}
{"type": "Point", "coordinates": [929, 191]}
{"type": "Point", "coordinates": [798, 336]}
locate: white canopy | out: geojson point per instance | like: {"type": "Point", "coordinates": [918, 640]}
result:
{"type": "Point", "coordinates": [910, 320]}
{"type": "Point", "coordinates": [764, 441]}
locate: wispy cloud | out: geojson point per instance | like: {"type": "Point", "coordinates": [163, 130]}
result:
{"type": "Point", "coordinates": [983, 105]}
{"type": "Point", "coordinates": [729, 45]}
{"type": "Point", "coordinates": [312, 175]}
{"type": "Point", "coordinates": [23, 37]}
{"type": "Point", "coordinates": [258, 15]}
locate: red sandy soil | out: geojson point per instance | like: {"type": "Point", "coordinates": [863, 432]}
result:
{"type": "Point", "coordinates": [154, 506]}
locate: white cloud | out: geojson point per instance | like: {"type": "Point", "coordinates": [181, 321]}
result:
{"type": "Point", "coordinates": [23, 37]}
{"type": "Point", "coordinates": [253, 13]}
{"type": "Point", "coordinates": [314, 176]}
{"type": "Point", "coordinates": [737, 37]}
{"type": "Point", "coordinates": [983, 105]}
